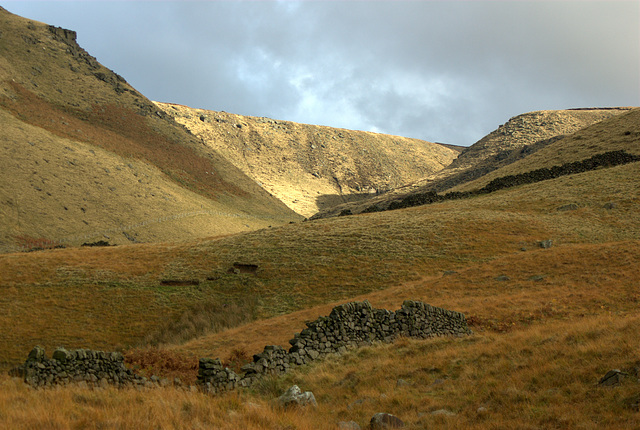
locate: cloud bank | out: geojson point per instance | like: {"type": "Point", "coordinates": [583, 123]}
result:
{"type": "Point", "coordinates": [441, 71]}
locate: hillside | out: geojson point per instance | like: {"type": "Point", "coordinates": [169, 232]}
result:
{"type": "Point", "coordinates": [570, 135]}
{"type": "Point", "coordinates": [550, 318]}
{"type": "Point", "coordinates": [312, 168]}
{"type": "Point", "coordinates": [99, 161]}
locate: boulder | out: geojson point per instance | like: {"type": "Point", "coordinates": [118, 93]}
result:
{"type": "Point", "coordinates": [382, 421]}
{"type": "Point", "coordinates": [546, 244]}
{"type": "Point", "coordinates": [294, 397]}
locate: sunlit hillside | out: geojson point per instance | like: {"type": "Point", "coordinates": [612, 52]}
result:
{"type": "Point", "coordinates": [85, 157]}
{"type": "Point", "coordinates": [309, 167]}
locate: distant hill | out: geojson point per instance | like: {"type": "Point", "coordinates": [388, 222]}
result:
{"type": "Point", "coordinates": [309, 167]}
{"type": "Point", "coordinates": [85, 157]}
{"type": "Point", "coordinates": [565, 135]}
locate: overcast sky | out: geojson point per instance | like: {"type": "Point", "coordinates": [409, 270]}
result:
{"type": "Point", "coordinates": [443, 71]}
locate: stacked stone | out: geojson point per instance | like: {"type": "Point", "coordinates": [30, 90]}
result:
{"type": "Point", "coordinates": [96, 368]}
{"type": "Point", "coordinates": [348, 326]}
{"type": "Point", "coordinates": [214, 378]}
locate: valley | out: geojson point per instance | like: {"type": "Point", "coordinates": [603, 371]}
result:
{"type": "Point", "coordinates": [215, 234]}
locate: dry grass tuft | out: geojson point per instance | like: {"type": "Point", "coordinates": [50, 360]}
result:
{"type": "Point", "coordinates": [162, 363]}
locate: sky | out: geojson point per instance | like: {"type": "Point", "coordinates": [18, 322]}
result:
{"type": "Point", "coordinates": [442, 71]}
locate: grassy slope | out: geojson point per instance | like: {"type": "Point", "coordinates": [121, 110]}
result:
{"type": "Point", "coordinates": [539, 349]}
{"type": "Point", "coordinates": [576, 303]}
{"type": "Point", "coordinates": [498, 154]}
{"type": "Point", "coordinates": [94, 297]}
{"type": "Point", "coordinates": [619, 132]}
{"type": "Point", "coordinates": [312, 167]}
{"type": "Point", "coordinates": [85, 123]}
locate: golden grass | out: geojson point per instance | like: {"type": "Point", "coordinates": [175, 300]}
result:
{"type": "Point", "coordinates": [543, 376]}
{"type": "Point", "coordinates": [92, 161]}
{"type": "Point", "coordinates": [303, 265]}
{"type": "Point", "coordinates": [557, 284]}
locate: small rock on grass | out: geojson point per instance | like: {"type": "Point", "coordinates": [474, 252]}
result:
{"type": "Point", "coordinates": [348, 425]}
{"type": "Point", "coordinates": [383, 421]}
{"type": "Point", "coordinates": [612, 378]}
{"type": "Point", "coordinates": [294, 397]}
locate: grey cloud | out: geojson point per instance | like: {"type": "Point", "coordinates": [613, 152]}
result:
{"type": "Point", "coordinates": [438, 70]}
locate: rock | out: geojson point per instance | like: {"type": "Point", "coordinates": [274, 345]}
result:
{"type": "Point", "coordinates": [36, 354]}
{"type": "Point", "coordinates": [443, 412]}
{"type": "Point", "coordinates": [348, 425]}
{"type": "Point", "coordinates": [402, 383]}
{"type": "Point", "coordinates": [482, 410]}
{"type": "Point", "coordinates": [569, 207]}
{"type": "Point", "coordinates": [61, 354]}
{"type": "Point", "coordinates": [357, 402]}
{"type": "Point", "coordinates": [546, 244]}
{"type": "Point", "coordinates": [609, 205]}
{"type": "Point", "coordinates": [294, 397]}
{"type": "Point", "coordinates": [502, 278]}
{"type": "Point", "coordinates": [382, 421]}
{"type": "Point", "coordinates": [612, 378]}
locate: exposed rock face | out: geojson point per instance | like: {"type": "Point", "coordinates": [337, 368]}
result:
{"type": "Point", "coordinates": [530, 128]}
{"type": "Point", "coordinates": [348, 326]}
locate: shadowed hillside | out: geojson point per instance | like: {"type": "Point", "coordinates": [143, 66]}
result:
{"type": "Point", "coordinates": [86, 157]}
{"type": "Point", "coordinates": [308, 167]}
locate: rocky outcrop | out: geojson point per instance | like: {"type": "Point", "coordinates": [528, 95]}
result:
{"type": "Point", "coordinates": [348, 326]}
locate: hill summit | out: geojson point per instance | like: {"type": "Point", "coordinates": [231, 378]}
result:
{"type": "Point", "coordinates": [86, 157]}
{"type": "Point", "coordinates": [309, 167]}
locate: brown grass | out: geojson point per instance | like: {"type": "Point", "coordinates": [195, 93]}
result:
{"type": "Point", "coordinates": [545, 334]}
{"type": "Point", "coordinates": [126, 133]}
{"type": "Point", "coordinates": [304, 265]}
{"type": "Point", "coordinates": [543, 376]}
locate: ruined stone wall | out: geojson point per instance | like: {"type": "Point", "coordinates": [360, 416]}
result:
{"type": "Point", "coordinates": [83, 366]}
{"type": "Point", "coordinates": [348, 326]}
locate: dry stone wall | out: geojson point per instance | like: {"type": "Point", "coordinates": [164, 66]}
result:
{"type": "Point", "coordinates": [348, 326]}
{"type": "Point", "coordinates": [83, 366]}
